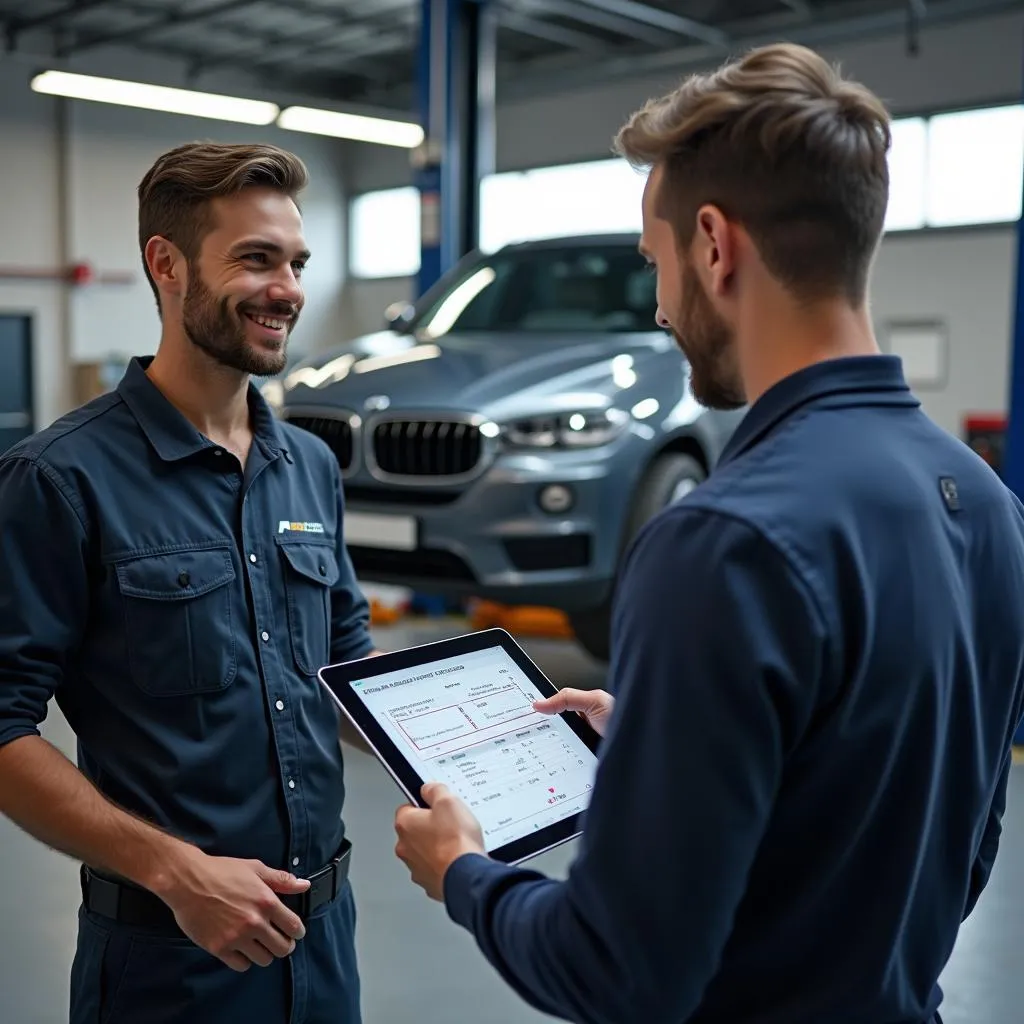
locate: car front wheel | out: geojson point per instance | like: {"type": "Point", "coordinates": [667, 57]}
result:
{"type": "Point", "coordinates": [669, 478]}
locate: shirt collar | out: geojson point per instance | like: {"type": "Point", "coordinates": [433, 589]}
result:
{"type": "Point", "coordinates": [170, 433]}
{"type": "Point", "coordinates": [852, 380]}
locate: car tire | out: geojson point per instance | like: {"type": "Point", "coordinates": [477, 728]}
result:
{"type": "Point", "coordinates": [669, 478]}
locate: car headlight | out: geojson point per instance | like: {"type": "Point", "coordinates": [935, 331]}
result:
{"type": "Point", "coordinates": [587, 429]}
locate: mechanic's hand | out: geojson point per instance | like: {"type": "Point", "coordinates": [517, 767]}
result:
{"type": "Point", "coordinates": [230, 908]}
{"type": "Point", "coordinates": [594, 705]}
{"type": "Point", "coordinates": [430, 841]}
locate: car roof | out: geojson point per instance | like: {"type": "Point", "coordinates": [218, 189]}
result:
{"type": "Point", "coordinates": [626, 239]}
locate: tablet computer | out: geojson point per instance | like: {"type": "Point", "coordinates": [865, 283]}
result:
{"type": "Point", "coordinates": [459, 711]}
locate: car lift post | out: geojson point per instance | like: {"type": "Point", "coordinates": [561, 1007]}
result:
{"type": "Point", "coordinates": [1013, 453]}
{"type": "Point", "coordinates": [457, 78]}
{"type": "Point", "coordinates": [457, 72]}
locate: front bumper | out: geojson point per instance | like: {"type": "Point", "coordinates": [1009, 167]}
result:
{"type": "Point", "coordinates": [492, 538]}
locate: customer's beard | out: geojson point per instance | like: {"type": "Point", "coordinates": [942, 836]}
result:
{"type": "Point", "coordinates": [707, 342]}
{"type": "Point", "coordinates": [212, 327]}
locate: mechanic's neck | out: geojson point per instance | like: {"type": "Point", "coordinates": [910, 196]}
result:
{"type": "Point", "coordinates": [781, 337]}
{"type": "Point", "coordinates": [212, 397]}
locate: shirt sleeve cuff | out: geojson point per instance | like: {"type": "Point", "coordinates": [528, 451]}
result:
{"type": "Point", "coordinates": [15, 732]}
{"type": "Point", "coordinates": [464, 882]}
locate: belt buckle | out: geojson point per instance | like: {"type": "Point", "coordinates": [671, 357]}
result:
{"type": "Point", "coordinates": [322, 889]}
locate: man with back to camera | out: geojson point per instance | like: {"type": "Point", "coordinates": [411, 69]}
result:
{"type": "Point", "coordinates": [817, 655]}
{"type": "Point", "coordinates": [173, 573]}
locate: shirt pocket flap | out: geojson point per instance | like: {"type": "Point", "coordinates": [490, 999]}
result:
{"type": "Point", "coordinates": [175, 575]}
{"type": "Point", "coordinates": [315, 561]}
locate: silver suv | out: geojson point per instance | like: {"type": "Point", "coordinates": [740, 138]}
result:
{"type": "Point", "coordinates": [507, 435]}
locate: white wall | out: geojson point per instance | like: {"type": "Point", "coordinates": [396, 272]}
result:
{"type": "Point", "coordinates": [30, 212]}
{"type": "Point", "coordinates": [70, 173]}
{"type": "Point", "coordinates": [965, 279]}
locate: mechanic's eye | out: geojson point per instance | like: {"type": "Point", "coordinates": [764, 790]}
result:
{"type": "Point", "coordinates": [256, 257]}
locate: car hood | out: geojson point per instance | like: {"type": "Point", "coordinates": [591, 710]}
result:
{"type": "Point", "coordinates": [493, 374]}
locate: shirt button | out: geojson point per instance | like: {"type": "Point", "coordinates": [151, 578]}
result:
{"type": "Point", "coordinates": [291, 783]}
{"type": "Point", "coordinates": [252, 558]}
{"type": "Point", "coordinates": [265, 635]}
{"type": "Point", "coordinates": [218, 451]}
{"type": "Point", "coordinates": [295, 862]}
{"type": "Point", "coordinates": [279, 705]}
{"type": "Point", "coordinates": [183, 579]}
{"type": "Point", "coordinates": [323, 570]}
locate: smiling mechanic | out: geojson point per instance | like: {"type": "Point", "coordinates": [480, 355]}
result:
{"type": "Point", "coordinates": [817, 654]}
{"type": "Point", "coordinates": [172, 572]}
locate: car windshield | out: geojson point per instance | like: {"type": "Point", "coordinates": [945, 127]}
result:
{"type": "Point", "coordinates": [604, 288]}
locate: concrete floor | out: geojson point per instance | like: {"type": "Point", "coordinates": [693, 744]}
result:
{"type": "Point", "coordinates": [415, 964]}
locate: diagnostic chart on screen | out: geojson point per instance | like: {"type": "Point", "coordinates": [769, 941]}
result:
{"type": "Point", "coordinates": [469, 722]}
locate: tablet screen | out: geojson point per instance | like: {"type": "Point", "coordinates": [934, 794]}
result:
{"type": "Point", "coordinates": [468, 722]}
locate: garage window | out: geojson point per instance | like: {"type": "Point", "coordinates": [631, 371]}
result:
{"type": "Point", "coordinates": [572, 199]}
{"type": "Point", "coordinates": [908, 162]}
{"type": "Point", "coordinates": [975, 162]}
{"type": "Point", "coordinates": [952, 169]}
{"type": "Point", "coordinates": [384, 233]}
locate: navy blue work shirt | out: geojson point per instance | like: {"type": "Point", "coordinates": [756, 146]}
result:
{"type": "Point", "coordinates": [178, 609]}
{"type": "Point", "coordinates": [818, 659]}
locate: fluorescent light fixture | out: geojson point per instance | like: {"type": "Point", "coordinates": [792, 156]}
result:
{"type": "Point", "coordinates": [351, 126]}
{"type": "Point", "coordinates": [155, 97]}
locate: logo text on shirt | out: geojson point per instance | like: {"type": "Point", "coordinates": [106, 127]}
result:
{"type": "Point", "coordinates": [286, 527]}
{"type": "Point", "coordinates": [950, 494]}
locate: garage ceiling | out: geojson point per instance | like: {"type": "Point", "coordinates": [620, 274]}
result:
{"type": "Point", "coordinates": [365, 51]}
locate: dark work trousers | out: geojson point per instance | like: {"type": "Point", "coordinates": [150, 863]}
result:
{"type": "Point", "coordinates": [128, 975]}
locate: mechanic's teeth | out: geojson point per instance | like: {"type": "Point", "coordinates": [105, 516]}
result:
{"type": "Point", "coordinates": [267, 322]}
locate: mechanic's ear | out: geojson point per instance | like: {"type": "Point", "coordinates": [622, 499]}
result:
{"type": "Point", "coordinates": [714, 250]}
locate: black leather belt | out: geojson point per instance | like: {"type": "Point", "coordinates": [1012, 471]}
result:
{"type": "Point", "coordinates": [131, 905]}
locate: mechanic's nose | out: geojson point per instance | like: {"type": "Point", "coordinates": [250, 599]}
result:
{"type": "Point", "coordinates": [662, 320]}
{"type": "Point", "coordinates": [286, 288]}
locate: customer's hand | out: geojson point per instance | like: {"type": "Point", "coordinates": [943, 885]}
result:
{"type": "Point", "coordinates": [230, 908]}
{"type": "Point", "coordinates": [431, 840]}
{"type": "Point", "coordinates": [594, 705]}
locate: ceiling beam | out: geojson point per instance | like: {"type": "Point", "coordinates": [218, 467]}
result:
{"type": "Point", "coordinates": [666, 20]}
{"type": "Point", "coordinates": [253, 49]}
{"type": "Point", "coordinates": [550, 32]}
{"type": "Point", "coordinates": [243, 60]}
{"type": "Point", "coordinates": [18, 25]}
{"type": "Point", "coordinates": [584, 15]}
{"type": "Point", "coordinates": [865, 21]}
{"type": "Point", "coordinates": [166, 20]}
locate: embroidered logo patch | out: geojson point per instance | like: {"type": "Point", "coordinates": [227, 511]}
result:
{"type": "Point", "coordinates": [950, 494]}
{"type": "Point", "coordinates": [286, 527]}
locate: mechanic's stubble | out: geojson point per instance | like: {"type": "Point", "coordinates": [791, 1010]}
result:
{"type": "Point", "coordinates": [212, 325]}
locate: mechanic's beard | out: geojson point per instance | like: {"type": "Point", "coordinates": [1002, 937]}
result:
{"type": "Point", "coordinates": [707, 343]}
{"type": "Point", "coordinates": [211, 326]}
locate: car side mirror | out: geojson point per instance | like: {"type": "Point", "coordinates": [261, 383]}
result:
{"type": "Point", "coordinates": [398, 316]}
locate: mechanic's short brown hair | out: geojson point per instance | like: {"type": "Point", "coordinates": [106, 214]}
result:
{"type": "Point", "coordinates": [175, 194]}
{"type": "Point", "coordinates": [784, 146]}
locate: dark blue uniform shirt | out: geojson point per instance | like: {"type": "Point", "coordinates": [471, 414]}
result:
{"type": "Point", "coordinates": [818, 659]}
{"type": "Point", "coordinates": [178, 608]}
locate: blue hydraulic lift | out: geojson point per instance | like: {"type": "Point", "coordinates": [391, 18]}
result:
{"type": "Point", "coordinates": [1013, 453]}
{"type": "Point", "coordinates": [456, 86]}
{"type": "Point", "coordinates": [457, 57]}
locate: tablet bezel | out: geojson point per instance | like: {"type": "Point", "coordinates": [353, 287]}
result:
{"type": "Point", "coordinates": [337, 679]}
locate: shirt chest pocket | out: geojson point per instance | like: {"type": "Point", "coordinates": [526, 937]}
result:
{"type": "Point", "coordinates": [178, 620]}
{"type": "Point", "coordinates": [310, 570]}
